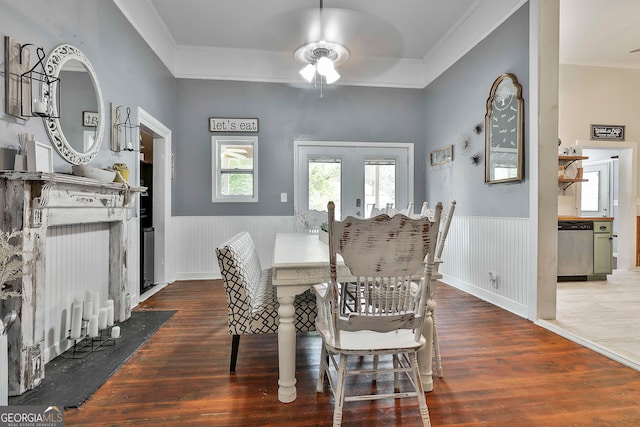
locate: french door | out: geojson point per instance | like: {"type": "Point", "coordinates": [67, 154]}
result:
{"type": "Point", "coordinates": [355, 176]}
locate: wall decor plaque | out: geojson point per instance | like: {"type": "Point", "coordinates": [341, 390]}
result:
{"type": "Point", "coordinates": [230, 124]}
{"type": "Point", "coordinates": [607, 132]}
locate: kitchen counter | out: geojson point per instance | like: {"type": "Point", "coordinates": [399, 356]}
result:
{"type": "Point", "coordinates": [585, 218]}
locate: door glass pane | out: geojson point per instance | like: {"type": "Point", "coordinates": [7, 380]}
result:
{"type": "Point", "coordinates": [324, 184]}
{"type": "Point", "coordinates": [379, 184]}
{"type": "Point", "coordinates": [590, 194]}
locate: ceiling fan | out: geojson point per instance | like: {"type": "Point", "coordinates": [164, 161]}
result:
{"type": "Point", "coordinates": [352, 39]}
{"type": "Point", "coordinates": [321, 57]}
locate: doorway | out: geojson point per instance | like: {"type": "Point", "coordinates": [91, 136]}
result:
{"type": "Point", "coordinates": [619, 162]}
{"type": "Point", "coordinates": [160, 141]}
{"type": "Point", "coordinates": [146, 212]}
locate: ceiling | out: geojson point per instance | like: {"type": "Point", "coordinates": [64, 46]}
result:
{"type": "Point", "coordinates": [600, 33]}
{"type": "Point", "coordinates": [399, 43]}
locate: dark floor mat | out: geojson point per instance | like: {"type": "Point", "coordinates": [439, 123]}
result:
{"type": "Point", "coordinates": [69, 382]}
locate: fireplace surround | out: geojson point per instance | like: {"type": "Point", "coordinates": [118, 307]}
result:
{"type": "Point", "coordinates": [32, 202]}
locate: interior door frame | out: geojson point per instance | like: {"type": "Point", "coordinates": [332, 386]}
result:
{"type": "Point", "coordinates": [604, 187]}
{"type": "Point", "coordinates": [628, 188]}
{"type": "Point", "coordinates": [350, 144]}
{"type": "Point", "coordinates": [163, 259]}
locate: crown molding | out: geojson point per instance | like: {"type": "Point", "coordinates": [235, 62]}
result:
{"type": "Point", "coordinates": [269, 66]}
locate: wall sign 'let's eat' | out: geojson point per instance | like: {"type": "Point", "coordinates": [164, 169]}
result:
{"type": "Point", "coordinates": [229, 124]}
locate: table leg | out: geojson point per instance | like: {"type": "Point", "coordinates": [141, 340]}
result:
{"type": "Point", "coordinates": [425, 360]}
{"type": "Point", "coordinates": [286, 350]}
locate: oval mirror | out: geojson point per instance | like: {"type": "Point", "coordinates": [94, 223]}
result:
{"type": "Point", "coordinates": [76, 127]}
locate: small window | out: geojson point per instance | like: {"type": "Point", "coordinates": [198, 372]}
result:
{"type": "Point", "coordinates": [235, 168]}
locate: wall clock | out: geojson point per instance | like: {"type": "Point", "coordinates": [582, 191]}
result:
{"type": "Point", "coordinates": [504, 131]}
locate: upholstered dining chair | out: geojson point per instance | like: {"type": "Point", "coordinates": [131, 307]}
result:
{"type": "Point", "coordinates": [252, 304]}
{"type": "Point", "coordinates": [391, 261]}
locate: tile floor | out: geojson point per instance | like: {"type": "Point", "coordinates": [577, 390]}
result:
{"type": "Point", "coordinates": [602, 315]}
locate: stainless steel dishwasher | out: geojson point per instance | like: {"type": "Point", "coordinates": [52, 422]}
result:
{"type": "Point", "coordinates": [575, 248]}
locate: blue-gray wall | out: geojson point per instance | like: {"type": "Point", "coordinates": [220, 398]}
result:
{"type": "Point", "coordinates": [286, 113]}
{"type": "Point", "coordinates": [431, 118]}
{"type": "Point", "coordinates": [129, 72]}
{"type": "Point", "coordinates": [456, 102]}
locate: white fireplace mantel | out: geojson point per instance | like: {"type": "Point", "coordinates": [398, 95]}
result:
{"type": "Point", "coordinates": [32, 202]}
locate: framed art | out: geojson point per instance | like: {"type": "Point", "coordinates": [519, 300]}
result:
{"type": "Point", "coordinates": [441, 156]}
{"type": "Point", "coordinates": [39, 157]}
{"type": "Point", "coordinates": [90, 118]}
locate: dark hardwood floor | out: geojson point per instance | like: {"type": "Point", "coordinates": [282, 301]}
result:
{"type": "Point", "coordinates": [499, 370]}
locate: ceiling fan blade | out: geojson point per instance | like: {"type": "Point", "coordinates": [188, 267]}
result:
{"type": "Point", "coordinates": [363, 34]}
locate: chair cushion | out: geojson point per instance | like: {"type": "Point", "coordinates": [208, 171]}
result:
{"type": "Point", "coordinates": [370, 342]}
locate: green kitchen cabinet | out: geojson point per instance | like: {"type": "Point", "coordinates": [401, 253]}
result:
{"type": "Point", "coordinates": [602, 247]}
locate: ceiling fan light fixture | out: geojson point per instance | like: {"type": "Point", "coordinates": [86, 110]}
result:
{"type": "Point", "coordinates": [332, 76]}
{"type": "Point", "coordinates": [321, 59]}
{"type": "Point", "coordinates": [308, 72]}
{"type": "Point", "coordinates": [325, 66]}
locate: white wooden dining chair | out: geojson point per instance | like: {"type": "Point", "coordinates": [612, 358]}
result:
{"type": "Point", "coordinates": [391, 211]}
{"type": "Point", "coordinates": [391, 261]}
{"type": "Point", "coordinates": [445, 223]}
{"type": "Point", "coordinates": [425, 209]}
{"type": "Point", "coordinates": [375, 211]}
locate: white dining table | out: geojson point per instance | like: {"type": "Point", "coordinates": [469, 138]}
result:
{"type": "Point", "coordinates": [301, 260]}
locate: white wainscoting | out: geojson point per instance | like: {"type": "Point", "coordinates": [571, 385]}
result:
{"type": "Point", "coordinates": [197, 237]}
{"type": "Point", "coordinates": [475, 247]}
{"type": "Point", "coordinates": [78, 260]}
{"type": "Point", "coordinates": [478, 245]}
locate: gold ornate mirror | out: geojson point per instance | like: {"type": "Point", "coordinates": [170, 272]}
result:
{"type": "Point", "coordinates": [504, 131]}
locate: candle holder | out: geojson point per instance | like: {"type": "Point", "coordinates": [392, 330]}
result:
{"type": "Point", "coordinates": [80, 344]}
{"type": "Point", "coordinates": [86, 344]}
{"type": "Point", "coordinates": [107, 336]}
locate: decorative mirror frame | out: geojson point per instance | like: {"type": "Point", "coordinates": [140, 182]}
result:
{"type": "Point", "coordinates": [498, 122]}
{"type": "Point", "coordinates": [56, 60]}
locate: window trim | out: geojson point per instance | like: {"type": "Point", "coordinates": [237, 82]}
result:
{"type": "Point", "coordinates": [216, 170]}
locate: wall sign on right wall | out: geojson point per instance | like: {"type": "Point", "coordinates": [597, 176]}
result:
{"type": "Point", "coordinates": [607, 132]}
